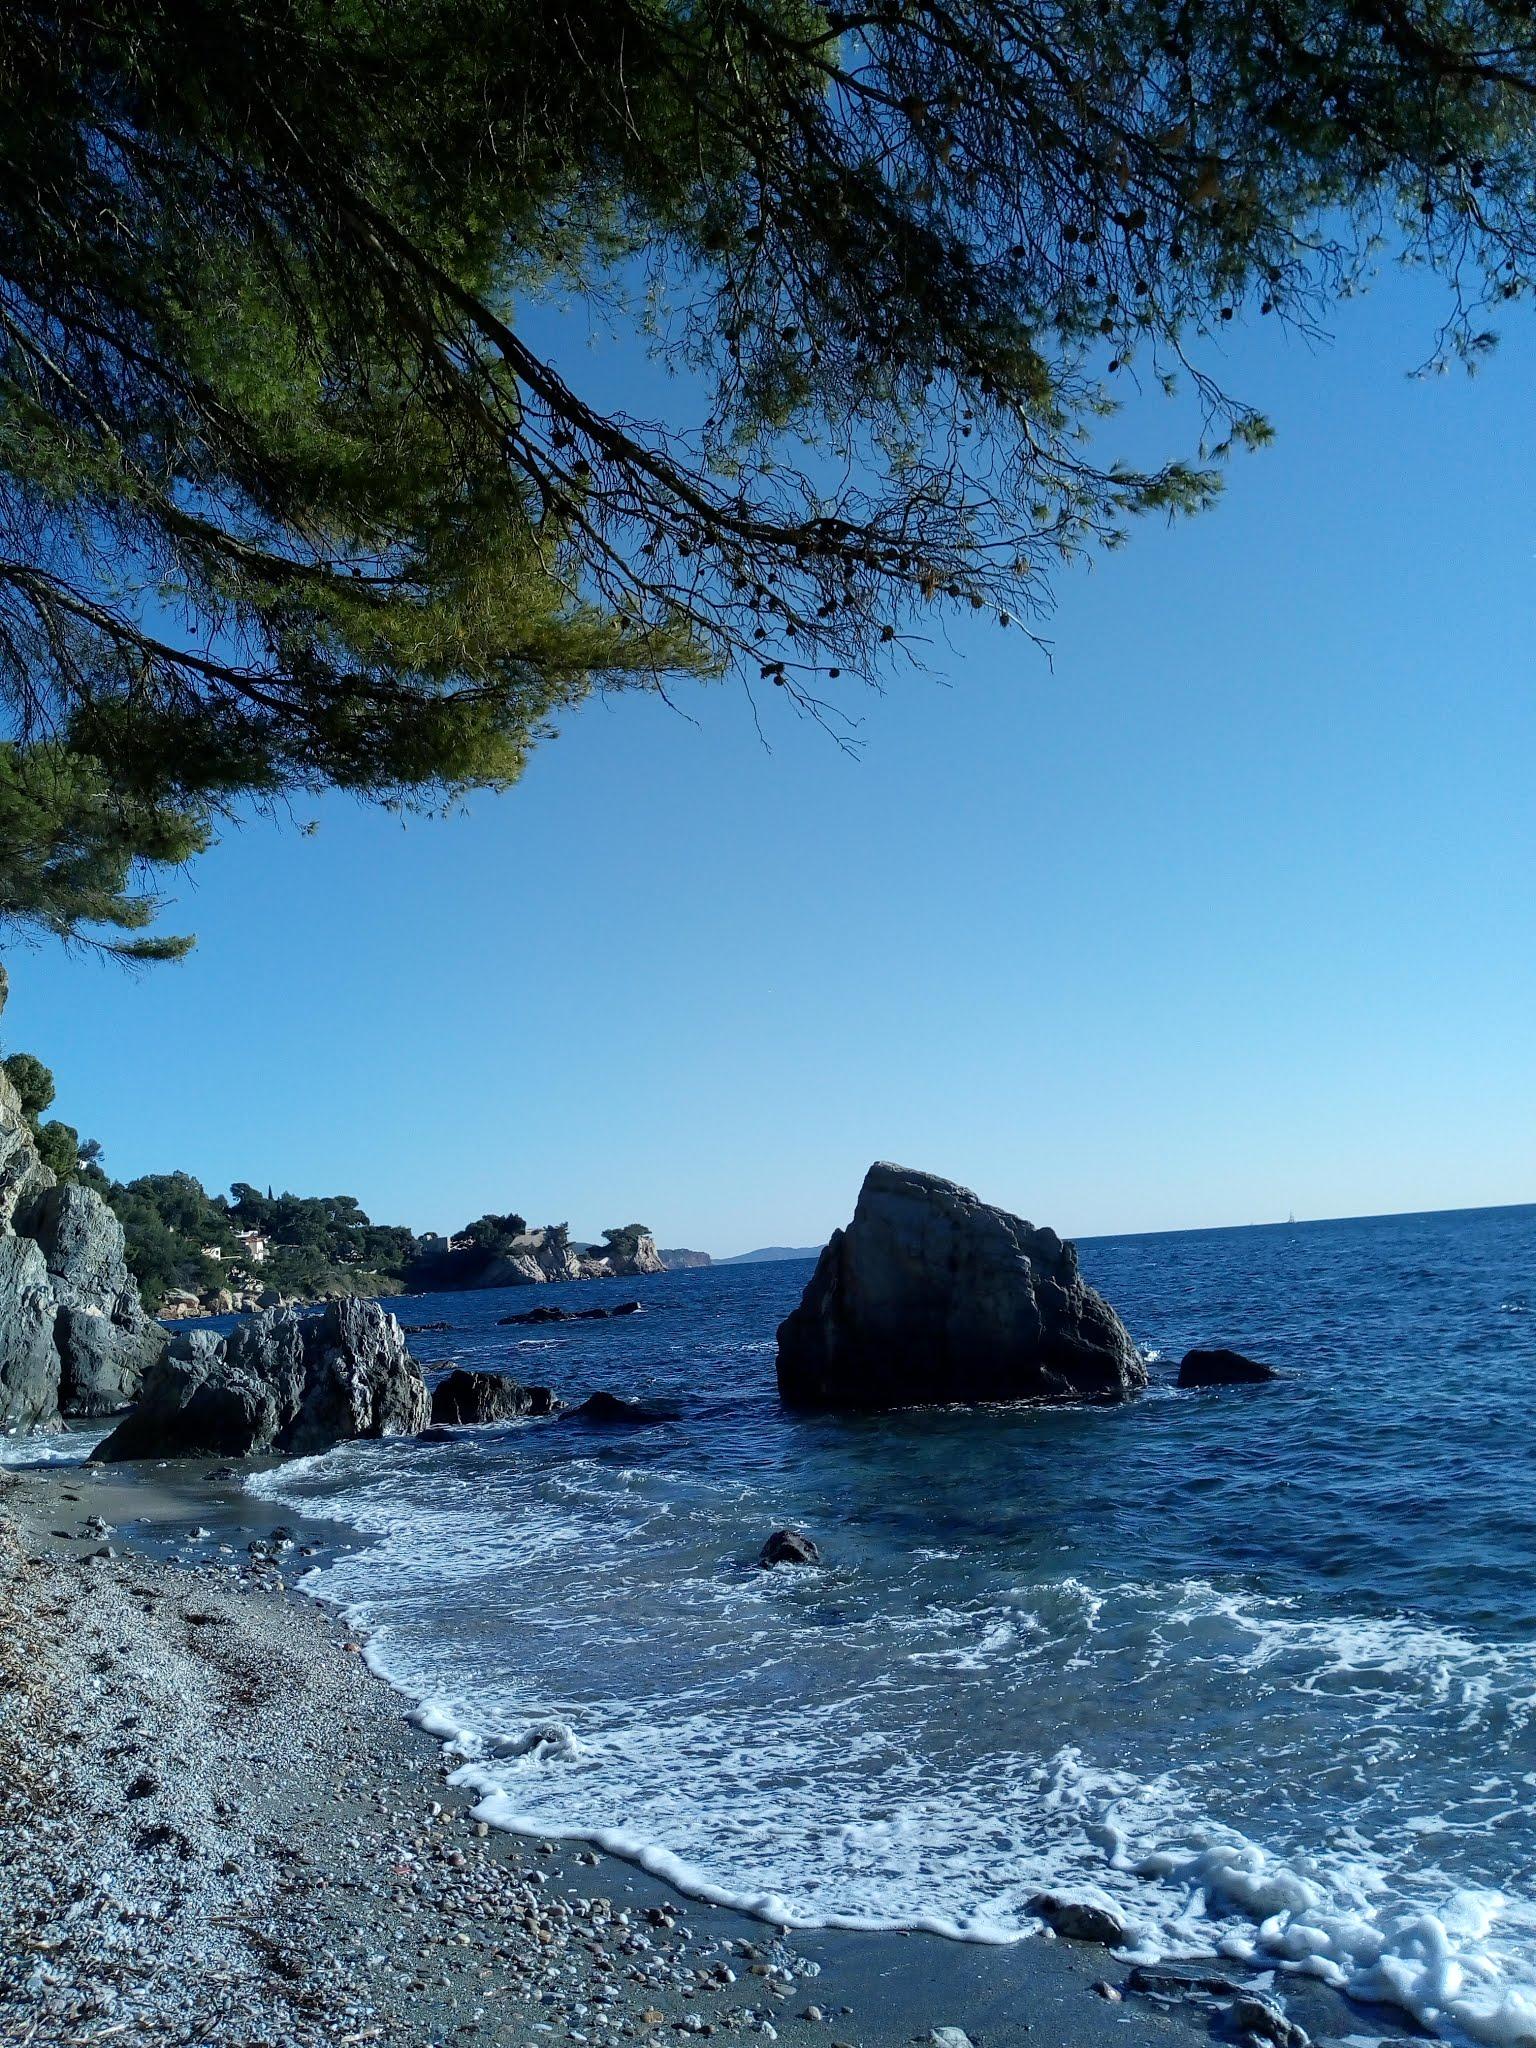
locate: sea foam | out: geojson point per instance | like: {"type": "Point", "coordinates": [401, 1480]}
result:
{"type": "Point", "coordinates": [1256, 1672]}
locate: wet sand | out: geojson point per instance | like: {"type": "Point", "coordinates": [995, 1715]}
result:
{"type": "Point", "coordinates": [221, 1829]}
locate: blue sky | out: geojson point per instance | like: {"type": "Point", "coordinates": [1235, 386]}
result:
{"type": "Point", "coordinates": [1226, 913]}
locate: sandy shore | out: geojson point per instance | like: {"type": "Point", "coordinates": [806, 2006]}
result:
{"type": "Point", "coordinates": [219, 1829]}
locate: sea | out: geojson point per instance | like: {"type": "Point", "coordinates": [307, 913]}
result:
{"type": "Point", "coordinates": [1256, 1667]}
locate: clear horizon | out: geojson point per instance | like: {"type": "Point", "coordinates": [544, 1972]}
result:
{"type": "Point", "coordinates": [1221, 914]}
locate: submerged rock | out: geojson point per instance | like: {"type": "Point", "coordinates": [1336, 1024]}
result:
{"type": "Point", "coordinates": [280, 1382]}
{"type": "Point", "coordinates": [1221, 1368]}
{"type": "Point", "coordinates": [552, 1314]}
{"type": "Point", "coordinates": [788, 1546]}
{"type": "Point", "coordinates": [74, 1338]}
{"type": "Point", "coordinates": [930, 1295]}
{"type": "Point", "coordinates": [1159, 1983]}
{"type": "Point", "coordinates": [617, 1408]}
{"type": "Point", "coordinates": [466, 1396]}
{"type": "Point", "coordinates": [1078, 1921]}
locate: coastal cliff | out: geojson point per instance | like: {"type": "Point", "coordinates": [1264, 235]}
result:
{"type": "Point", "coordinates": [530, 1258]}
{"type": "Point", "coordinates": [74, 1338]}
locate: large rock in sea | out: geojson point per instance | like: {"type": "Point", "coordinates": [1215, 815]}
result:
{"type": "Point", "coordinates": [280, 1382]}
{"type": "Point", "coordinates": [74, 1338]}
{"type": "Point", "coordinates": [930, 1295]}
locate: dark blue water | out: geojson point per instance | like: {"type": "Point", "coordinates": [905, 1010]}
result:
{"type": "Point", "coordinates": [1256, 1666]}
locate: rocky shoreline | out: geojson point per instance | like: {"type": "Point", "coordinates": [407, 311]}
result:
{"type": "Point", "coordinates": [222, 1830]}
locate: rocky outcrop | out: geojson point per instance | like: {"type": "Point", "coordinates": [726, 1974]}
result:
{"type": "Point", "coordinates": [930, 1295]}
{"type": "Point", "coordinates": [548, 1254]}
{"type": "Point", "coordinates": [74, 1338]}
{"type": "Point", "coordinates": [466, 1396]}
{"type": "Point", "coordinates": [553, 1314]}
{"type": "Point", "coordinates": [1223, 1368]}
{"type": "Point", "coordinates": [679, 1259]}
{"type": "Point", "coordinates": [628, 1253]}
{"type": "Point", "coordinates": [532, 1259]}
{"type": "Point", "coordinates": [280, 1382]}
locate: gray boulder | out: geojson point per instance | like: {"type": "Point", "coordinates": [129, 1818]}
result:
{"type": "Point", "coordinates": [930, 1295]}
{"type": "Point", "coordinates": [1223, 1368]}
{"type": "Point", "coordinates": [105, 1341]}
{"type": "Point", "coordinates": [81, 1239]}
{"type": "Point", "coordinates": [104, 1354]}
{"type": "Point", "coordinates": [280, 1382]}
{"type": "Point", "coordinates": [361, 1380]}
{"type": "Point", "coordinates": [487, 1397]}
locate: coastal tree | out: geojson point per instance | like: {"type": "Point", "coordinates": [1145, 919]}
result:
{"type": "Point", "coordinates": [32, 1081]}
{"type": "Point", "coordinates": [624, 1241]}
{"type": "Point", "coordinates": [59, 1145]}
{"type": "Point", "coordinates": [295, 491]}
{"type": "Point", "coordinates": [491, 1233]}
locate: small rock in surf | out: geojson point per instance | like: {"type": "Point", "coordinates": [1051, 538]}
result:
{"type": "Point", "coordinates": [788, 1546]}
{"type": "Point", "coordinates": [1223, 1368]}
{"type": "Point", "coordinates": [1076, 1920]}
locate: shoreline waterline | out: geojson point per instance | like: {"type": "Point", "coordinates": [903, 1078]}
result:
{"type": "Point", "coordinates": [1172, 1656]}
{"type": "Point", "coordinates": [874, 1990]}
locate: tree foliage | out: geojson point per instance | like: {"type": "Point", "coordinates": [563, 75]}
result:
{"type": "Point", "coordinates": [292, 497]}
{"type": "Point", "coordinates": [182, 1239]}
{"type": "Point", "coordinates": [76, 852]}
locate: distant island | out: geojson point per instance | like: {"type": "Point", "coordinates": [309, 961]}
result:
{"type": "Point", "coordinates": [769, 1252]}
{"type": "Point", "coordinates": [678, 1261]}
{"type": "Point", "coordinates": [195, 1253]}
